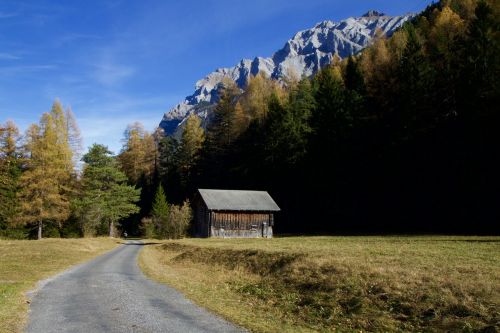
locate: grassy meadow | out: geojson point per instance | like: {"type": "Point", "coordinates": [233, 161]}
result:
{"type": "Point", "coordinates": [344, 284]}
{"type": "Point", "coordinates": [24, 262]}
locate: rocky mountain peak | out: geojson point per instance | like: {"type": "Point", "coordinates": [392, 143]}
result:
{"type": "Point", "coordinates": [372, 13]}
{"type": "Point", "coordinates": [302, 56]}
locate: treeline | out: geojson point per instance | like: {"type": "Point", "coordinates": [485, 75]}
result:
{"type": "Point", "coordinates": [47, 189]}
{"type": "Point", "coordinates": [400, 138]}
{"type": "Point", "coordinates": [159, 216]}
{"type": "Point", "coordinates": [42, 191]}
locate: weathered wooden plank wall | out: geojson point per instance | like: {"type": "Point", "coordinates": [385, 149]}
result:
{"type": "Point", "coordinates": [239, 220]}
{"type": "Point", "coordinates": [241, 224]}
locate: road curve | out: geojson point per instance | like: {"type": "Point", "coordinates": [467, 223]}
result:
{"type": "Point", "coordinates": [110, 294]}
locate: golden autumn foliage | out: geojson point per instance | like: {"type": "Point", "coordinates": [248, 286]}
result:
{"type": "Point", "coordinates": [193, 138]}
{"type": "Point", "coordinates": [447, 27]}
{"type": "Point", "coordinates": [139, 154]}
{"type": "Point", "coordinates": [45, 185]}
{"type": "Point", "coordinates": [256, 96]}
{"type": "Point", "coordinates": [9, 173]}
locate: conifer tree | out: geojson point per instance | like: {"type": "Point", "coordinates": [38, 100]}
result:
{"type": "Point", "coordinates": [221, 128]}
{"type": "Point", "coordinates": [302, 104]}
{"type": "Point", "coordinates": [106, 197]}
{"type": "Point", "coordinates": [239, 121]}
{"type": "Point", "coordinates": [276, 121]}
{"type": "Point", "coordinates": [63, 152]}
{"type": "Point", "coordinates": [355, 90]}
{"type": "Point", "coordinates": [287, 128]}
{"type": "Point", "coordinates": [331, 120]}
{"type": "Point", "coordinates": [10, 171]}
{"type": "Point", "coordinates": [255, 98]}
{"type": "Point", "coordinates": [480, 62]}
{"type": "Point", "coordinates": [160, 213]}
{"type": "Point", "coordinates": [74, 136]}
{"type": "Point", "coordinates": [167, 161]}
{"type": "Point", "coordinates": [416, 89]}
{"type": "Point", "coordinates": [45, 192]}
{"type": "Point", "coordinates": [139, 154]}
{"type": "Point", "coordinates": [353, 77]}
{"type": "Point", "coordinates": [192, 141]}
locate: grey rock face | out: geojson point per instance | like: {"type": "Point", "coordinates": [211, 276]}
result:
{"type": "Point", "coordinates": [302, 56]}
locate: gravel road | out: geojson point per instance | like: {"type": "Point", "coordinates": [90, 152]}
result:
{"type": "Point", "coordinates": [110, 294]}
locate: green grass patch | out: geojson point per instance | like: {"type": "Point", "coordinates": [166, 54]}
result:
{"type": "Point", "coordinates": [24, 262]}
{"type": "Point", "coordinates": [340, 284]}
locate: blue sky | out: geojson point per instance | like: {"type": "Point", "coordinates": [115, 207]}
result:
{"type": "Point", "coordinates": [119, 61]}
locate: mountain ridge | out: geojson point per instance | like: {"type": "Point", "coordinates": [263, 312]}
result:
{"type": "Point", "coordinates": [303, 55]}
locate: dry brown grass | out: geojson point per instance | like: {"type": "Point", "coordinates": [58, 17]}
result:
{"type": "Point", "coordinates": [302, 284]}
{"type": "Point", "coordinates": [23, 263]}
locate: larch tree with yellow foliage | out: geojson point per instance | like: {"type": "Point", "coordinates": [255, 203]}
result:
{"type": "Point", "coordinates": [192, 141]}
{"type": "Point", "coordinates": [45, 194]}
{"type": "Point", "coordinates": [10, 170]}
{"type": "Point", "coordinates": [139, 154]}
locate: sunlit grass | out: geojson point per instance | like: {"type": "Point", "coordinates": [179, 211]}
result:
{"type": "Point", "coordinates": [23, 263]}
{"type": "Point", "coordinates": [338, 283]}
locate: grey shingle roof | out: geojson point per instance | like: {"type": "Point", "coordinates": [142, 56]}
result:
{"type": "Point", "coordinates": [259, 201]}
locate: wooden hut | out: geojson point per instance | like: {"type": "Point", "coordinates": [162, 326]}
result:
{"type": "Point", "coordinates": [234, 214]}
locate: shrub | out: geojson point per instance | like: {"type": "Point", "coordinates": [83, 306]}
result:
{"type": "Point", "coordinates": [178, 220]}
{"type": "Point", "coordinates": [174, 226]}
{"type": "Point", "coordinates": [147, 228]}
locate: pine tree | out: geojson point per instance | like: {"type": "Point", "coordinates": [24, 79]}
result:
{"type": "Point", "coordinates": [480, 62]}
{"type": "Point", "coordinates": [302, 104]}
{"type": "Point", "coordinates": [167, 162]}
{"type": "Point", "coordinates": [413, 104]}
{"type": "Point", "coordinates": [276, 121]}
{"type": "Point", "coordinates": [160, 213]}
{"type": "Point", "coordinates": [193, 137]}
{"type": "Point", "coordinates": [331, 120]}
{"type": "Point", "coordinates": [221, 128]}
{"type": "Point", "coordinates": [287, 127]}
{"type": "Point", "coordinates": [354, 80]}
{"type": "Point", "coordinates": [160, 204]}
{"type": "Point", "coordinates": [106, 197]}
{"type": "Point", "coordinates": [355, 90]}
{"type": "Point", "coordinates": [10, 171]}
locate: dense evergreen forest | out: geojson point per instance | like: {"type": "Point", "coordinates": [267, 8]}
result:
{"type": "Point", "coordinates": [401, 138]}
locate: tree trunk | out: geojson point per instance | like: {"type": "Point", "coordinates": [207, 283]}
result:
{"type": "Point", "coordinates": [40, 229]}
{"type": "Point", "coordinates": [111, 227]}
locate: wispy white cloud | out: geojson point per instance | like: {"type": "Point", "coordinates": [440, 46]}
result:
{"type": "Point", "coordinates": [110, 74]}
{"type": "Point", "coordinates": [109, 129]}
{"type": "Point", "coordinates": [25, 69]}
{"type": "Point", "coordinates": [75, 37]}
{"type": "Point", "coordinates": [8, 56]}
{"type": "Point", "coordinates": [4, 15]}
{"type": "Point", "coordinates": [104, 120]}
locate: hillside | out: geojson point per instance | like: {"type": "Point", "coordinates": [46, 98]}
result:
{"type": "Point", "coordinates": [301, 56]}
{"type": "Point", "coordinates": [400, 138]}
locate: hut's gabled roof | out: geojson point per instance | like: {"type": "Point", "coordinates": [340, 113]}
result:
{"type": "Point", "coordinates": [259, 201]}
